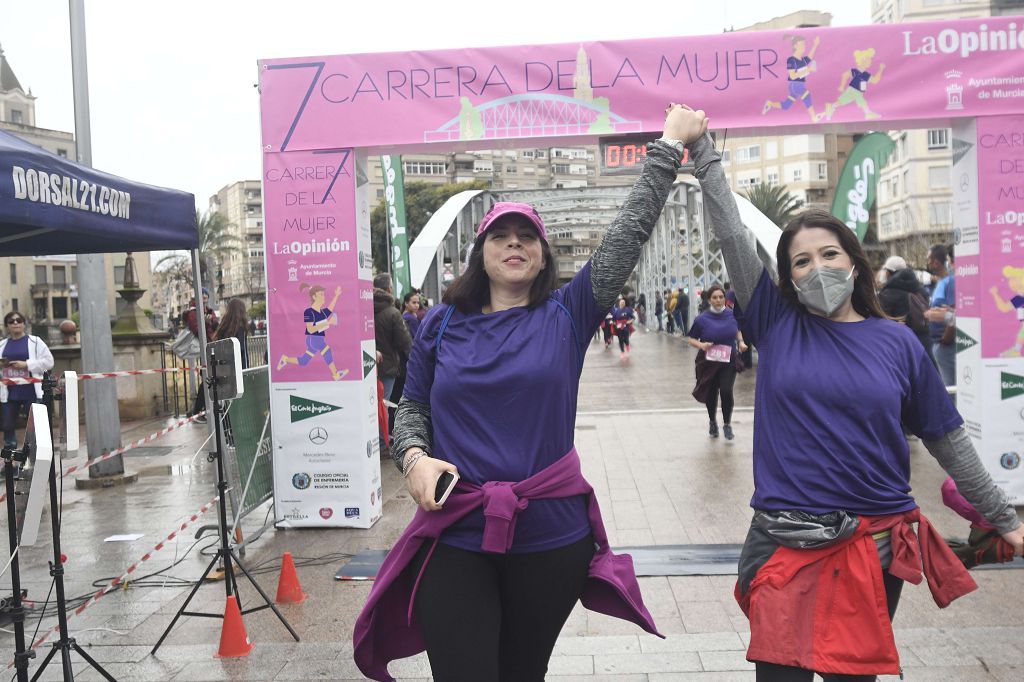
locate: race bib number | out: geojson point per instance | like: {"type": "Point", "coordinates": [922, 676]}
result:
{"type": "Point", "coordinates": [719, 353]}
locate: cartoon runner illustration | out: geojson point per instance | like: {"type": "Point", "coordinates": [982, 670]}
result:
{"type": "Point", "coordinates": [317, 318]}
{"type": "Point", "coordinates": [798, 67]}
{"type": "Point", "coordinates": [855, 83]}
{"type": "Point", "coordinates": [1015, 279]}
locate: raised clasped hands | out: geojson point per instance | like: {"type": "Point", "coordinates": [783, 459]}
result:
{"type": "Point", "coordinates": [685, 124]}
{"type": "Point", "coordinates": [1016, 538]}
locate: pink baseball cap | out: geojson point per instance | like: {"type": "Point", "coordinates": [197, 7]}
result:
{"type": "Point", "coordinates": [503, 208]}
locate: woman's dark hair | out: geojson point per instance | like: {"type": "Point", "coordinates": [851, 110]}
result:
{"type": "Point", "coordinates": [405, 299]}
{"type": "Point", "coordinates": [864, 299]}
{"type": "Point", "coordinates": [472, 289]}
{"type": "Point", "coordinates": [8, 316]}
{"type": "Point", "coordinates": [234, 320]}
{"type": "Point", "coordinates": [706, 294]}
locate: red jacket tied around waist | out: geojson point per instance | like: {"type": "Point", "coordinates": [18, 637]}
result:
{"type": "Point", "coordinates": [825, 609]}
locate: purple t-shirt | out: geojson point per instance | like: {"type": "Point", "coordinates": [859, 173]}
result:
{"type": "Point", "coordinates": [828, 407]}
{"type": "Point", "coordinates": [17, 349]}
{"type": "Point", "coordinates": [859, 79]}
{"type": "Point", "coordinates": [715, 327]}
{"type": "Point", "coordinates": [314, 316]}
{"type": "Point", "coordinates": [502, 392]}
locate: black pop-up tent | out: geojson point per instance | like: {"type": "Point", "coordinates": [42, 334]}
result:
{"type": "Point", "coordinates": [51, 205]}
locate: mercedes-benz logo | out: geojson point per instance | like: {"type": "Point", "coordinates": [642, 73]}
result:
{"type": "Point", "coordinates": [968, 376]}
{"type": "Point", "coordinates": [965, 182]}
{"type": "Point", "coordinates": [318, 436]}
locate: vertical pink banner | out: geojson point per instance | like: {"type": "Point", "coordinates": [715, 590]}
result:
{"type": "Point", "coordinates": [314, 306]}
{"type": "Point", "coordinates": [1001, 212]}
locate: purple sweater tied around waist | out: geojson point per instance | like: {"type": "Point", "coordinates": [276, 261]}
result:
{"type": "Point", "coordinates": [386, 628]}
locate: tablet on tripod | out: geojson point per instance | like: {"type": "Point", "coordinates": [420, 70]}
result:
{"type": "Point", "coordinates": [227, 354]}
{"type": "Point", "coordinates": [38, 462]}
{"type": "Point", "coordinates": [69, 409]}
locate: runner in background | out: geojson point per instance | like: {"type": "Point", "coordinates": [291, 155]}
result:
{"type": "Point", "coordinates": [718, 341]}
{"type": "Point", "coordinates": [623, 316]}
{"type": "Point", "coordinates": [608, 329]}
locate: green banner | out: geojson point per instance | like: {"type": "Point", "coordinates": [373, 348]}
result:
{"type": "Point", "coordinates": [858, 182]}
{"type": "Point", "coordinates": [394, 198]}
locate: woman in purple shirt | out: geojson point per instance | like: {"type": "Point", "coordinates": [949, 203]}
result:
{"type": "Point", "coordinates": [837, 383]}
{"type": "Point", "coordinates": [716, 336]}
{"type": "Point", "coordinates": [411, 306]}
{"type": "Point", "coordinates": [491, 392]}
{"type": "Point", "coordinates": [22, 356]}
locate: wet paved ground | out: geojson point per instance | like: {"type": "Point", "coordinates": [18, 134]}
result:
{"type": "Point", "coordinates": [659, 478]}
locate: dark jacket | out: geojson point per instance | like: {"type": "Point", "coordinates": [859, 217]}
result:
{"type": "Point", "coordinates": [393, 340]}
{"type": "Point", "coordinates": [902, 297]}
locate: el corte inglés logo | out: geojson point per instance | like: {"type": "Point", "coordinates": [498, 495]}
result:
{"type": "Point", "coordinates": [368, 363]}
{"type": "Point", "coordinates": [964, 341]}
{"type": "Point", "coordinates": [1012, 385]}
{"type": "Point", "coordinates": [304, 408]}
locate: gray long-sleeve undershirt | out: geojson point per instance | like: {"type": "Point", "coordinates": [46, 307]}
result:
{"type": "Point", "coordinates": [612, 263]}
{"type": "Point", "coordinates": [954, 452]}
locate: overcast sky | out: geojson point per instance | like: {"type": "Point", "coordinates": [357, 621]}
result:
{"type": "Point", "coordinates": [171, 83]}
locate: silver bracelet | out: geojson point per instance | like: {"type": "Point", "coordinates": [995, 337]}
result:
{"type": "Point", "coordinates": [413, 458]}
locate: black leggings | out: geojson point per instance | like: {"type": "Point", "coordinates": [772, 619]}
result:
{"type": "Point", "coordinates": [623, 339]}
{"type": "Point", "coordinates": [495, 617]}
{"type": "Point", "coordinates": [722, 383]}
{"type": "Point", "coordinates": [772, 672]}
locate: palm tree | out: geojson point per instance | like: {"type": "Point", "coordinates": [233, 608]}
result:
{"type": "Point", "coordinates": [217, 243]}
{"type": "Point", "coordinates": [775, 202]}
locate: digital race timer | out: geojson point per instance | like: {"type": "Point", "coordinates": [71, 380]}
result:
{"type": "Point", "coordinates": [625, 154]}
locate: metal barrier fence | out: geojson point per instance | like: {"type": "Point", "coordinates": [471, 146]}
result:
{"type": "Point", "coordinates": [179, 388]}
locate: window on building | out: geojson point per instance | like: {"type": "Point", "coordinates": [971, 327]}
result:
{"type": "Point", "coordinates": [17, 116]}
{"type": "Point", "coordinates": [938, 138]}
{"type": "Point", "coordinates": [60, 275]}
{"type": "Point", "coordinates": [118, 274]}
{"type": "Point", "coordinates": [940, 214]}
{"type": "Point", "coordinates": [527, 153]}
{"type": "Point", "coordinates": [74, 274]}
{"type": "Point", "coordinates": [510, 170]}
{"type": "Point", "coordinates": [14, 273]}
{"type": "Point", "coordinates": [380, 194]}
{"type": "Point", "coordinates": [798, 174]}
{"type": "Point", "coordinates": [751, 153]}
{"type": "Point", "coordinates": [14, 304]}
{"type": "Point", "coordinates": [63, 153]}
{"type": "Point", "coordinates": [822, 171]}
{"type": "Point", "coordinates": [541, 154]}
{"type": "Point", "coordinates": [41, 277]}
{"type": "Point", "coordinates": [39, 311]}
{"type": "Point", "coordinates": [773, 178]}
{"type": "Point", "coordinates": [424, 168]}
{"type": "Point", "coordinates": [895, 186]}
{"type": "Point", "coordinates": [560, 168]}
{"type": "Point", "coordinates": [60, 308]}
{"type": "Point", "coordinates": [938, 177]}
{"type": "Point", "coordinates": [906, 179]}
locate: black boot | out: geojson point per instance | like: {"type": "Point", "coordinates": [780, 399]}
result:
{"type": "Point", "coordinates": [727, 431]}
{"type": "Point", "coordinates": [713, 429]}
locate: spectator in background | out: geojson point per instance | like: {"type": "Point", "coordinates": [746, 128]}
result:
{"type": "Point", "coordinates": [659, 309]}
{"type": "Point", "coordinates": [671, 301]}
{"type": "Point", "coordinates": [903, 298]}
{"type": "Point", "coordinates": [235, 325]}
{"type": "Point", "coordinates": [677, 310]}
{"type": "Point", "coordinates": [641, 310]}
{"type": "Point", "coordinates": [410, 313]}
{"type": "Point", "coordinates": [391, 334]}
{"type": "Point", "coordinates": [683, 306]}
{"type": "Point", "coordinates": [942, 323]}
{"type": "Point", "coordinates": [21, 356]}
{"type": "Point", "coordinates": [191, 318]}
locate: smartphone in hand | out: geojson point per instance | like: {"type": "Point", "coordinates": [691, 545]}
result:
{"type": "Point", "coordinates": [445, 484]}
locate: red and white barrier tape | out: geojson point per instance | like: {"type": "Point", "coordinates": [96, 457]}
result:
{"type": "Point", "coordinates": [20, 381]}
{"type": "Point", "coordinates": [121, 450]}
{"type": "Point", "coordinates": [124, 577]}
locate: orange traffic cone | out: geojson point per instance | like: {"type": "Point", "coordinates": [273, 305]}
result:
{"type": "Point", "coordinates": [233, 640]}
{"type": "Point", "coordinates": [289, 591]}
